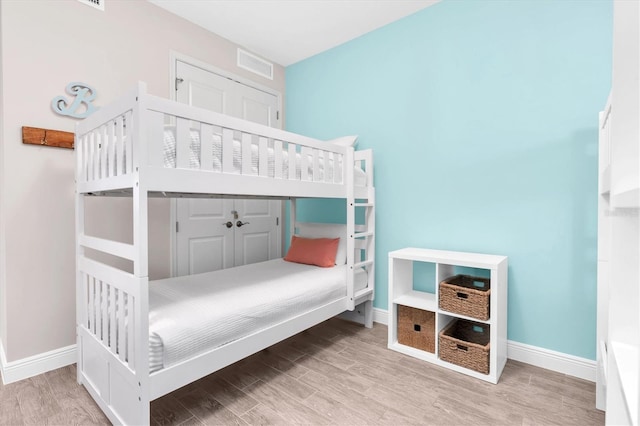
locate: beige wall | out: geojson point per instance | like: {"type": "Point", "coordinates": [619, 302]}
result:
{"type": "Point", "coordinates": [45, 45]}
{"type": "Point", "coordinates": [3, 304]}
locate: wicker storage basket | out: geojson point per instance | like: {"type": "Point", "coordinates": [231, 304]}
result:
{"type": "Point", "coordinates": [466, 343]}
{"type": "Point", "coordinates": [417, 328]}
{"type": "Point", "coordinates": [466, 295]}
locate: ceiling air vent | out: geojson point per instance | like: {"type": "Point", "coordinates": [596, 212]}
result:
{"type": "Point", "coordinates": [254, 64]}
{"type": "Point", "coordinates": [98, 4]}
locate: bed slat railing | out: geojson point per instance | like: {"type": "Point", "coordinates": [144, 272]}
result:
{"type": "Point", "coordinates": [328, 165]}
{"type": "Point", "coordinates": [227, 150]}
{"type": "Point", "coordinates": [277, 159]}
{"type": "Point", "coordinates": [108, 308]}
{"type": "Point", "coordinates": [127, 139]}
{"type": "Point", "coordinates": [263, 157]}
{"type": "Point", "coordinates": [184, 143]}
{"type": "Point", "coordinates": [155, 138]}
{"type": "Point", "coordinates": [182, 149]}
{"type": "Point", "coordinates": [119, 167]}
{"type": "Point", "coordinates": [106, 151]}
{"type": "Point", "coordinates": [111, 148]}
{"type": "Point", "coordinates": [90, 143]}
{"type": "Point", "coordinates": [291, 152]}
{"type": "Point", "coordinates": [206, 147]}
{"type": "Point", "coordinates": [202, 140]}
{"type": "Point", "coordinates": [246, 154]}
{"type": "Point", "coordinates": [304, 164]}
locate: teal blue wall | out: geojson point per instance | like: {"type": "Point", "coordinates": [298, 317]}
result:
{"type": "Point", "coordinates": [483, 120]}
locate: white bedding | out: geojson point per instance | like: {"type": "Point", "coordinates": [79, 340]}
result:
{"type": "Point", "coordinates": [169, 157]}
{"type": "Point", "coordinates": [192, 314]}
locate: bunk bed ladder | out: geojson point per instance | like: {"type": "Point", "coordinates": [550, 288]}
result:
{"type": "Point", "coordinates": [361, 237]}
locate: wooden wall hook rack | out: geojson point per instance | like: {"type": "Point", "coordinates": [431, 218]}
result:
{"type": "Point", "coordinates": [47, 137]}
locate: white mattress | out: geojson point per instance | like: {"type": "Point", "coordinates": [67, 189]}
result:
{"type": "Point", "coordinates": [192, 314]}
{"type": "Point", "coordinates": [169, 157]}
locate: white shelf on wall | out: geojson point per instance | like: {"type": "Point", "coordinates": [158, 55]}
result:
{"type": "Point", "coordinates": [403, 293]}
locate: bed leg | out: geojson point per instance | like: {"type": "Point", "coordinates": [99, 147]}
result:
{"type": "Point", "coordinates": [362, 314]}
{"type": "Point", "coordinates": [368, 314]}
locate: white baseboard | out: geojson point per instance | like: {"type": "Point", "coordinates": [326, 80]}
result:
{"type": "Point", "coordinates": [380, 316]}
{"type": "Point", "coordinates": [32, 366]}
{"type": "Point", "coordinates": [551, 360]}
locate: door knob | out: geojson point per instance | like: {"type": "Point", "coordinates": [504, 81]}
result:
{"type": "Point", "coordinates": [228, 224]}
{"type": "Point", "coordinates": [240, 223]}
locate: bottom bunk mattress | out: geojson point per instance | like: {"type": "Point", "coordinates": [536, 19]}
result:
{"type": "Point", "coordinates": [192, 314]}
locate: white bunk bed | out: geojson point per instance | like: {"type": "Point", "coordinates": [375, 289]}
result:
{"type": "Point", "coordinates": [143, 146]}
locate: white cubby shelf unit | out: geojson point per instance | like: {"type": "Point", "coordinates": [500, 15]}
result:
{"type": "Point", "coordinates": [402, 292]}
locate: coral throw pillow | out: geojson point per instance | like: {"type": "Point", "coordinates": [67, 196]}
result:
{"type": "Point", "coordinates": [313, 251]}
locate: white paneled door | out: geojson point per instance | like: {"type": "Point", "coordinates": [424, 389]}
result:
{"type": "Point", "coordinates": [213, 234]}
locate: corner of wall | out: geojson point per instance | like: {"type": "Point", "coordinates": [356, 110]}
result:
{"type": "Point", "coordinates": [3, 364]}
{"type": "Point", "coordinates": [3, 310]}
{"type": "Point", "coordinates": [21, 369]}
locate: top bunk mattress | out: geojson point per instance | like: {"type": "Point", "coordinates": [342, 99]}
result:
{"type": "Point", "coordinates": [192, 314]}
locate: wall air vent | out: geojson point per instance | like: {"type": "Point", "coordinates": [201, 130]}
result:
{"type": "Point", "coordinates": [251, 62]}
{"type": "Point", "coordinates": [98, 4]}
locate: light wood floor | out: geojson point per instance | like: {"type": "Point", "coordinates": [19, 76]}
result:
{"type": "Point", "coordinates": [334, 373]}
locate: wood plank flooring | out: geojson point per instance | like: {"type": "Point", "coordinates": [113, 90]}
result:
{"type": "Point", "coordinates": [336, 373]}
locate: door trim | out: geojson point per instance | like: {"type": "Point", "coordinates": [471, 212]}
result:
{"type": "Point", "coordinates": [174, 57]}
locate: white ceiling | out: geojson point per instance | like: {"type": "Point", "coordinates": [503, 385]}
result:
{"type": "Point", "coordinates": [288, 31]}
